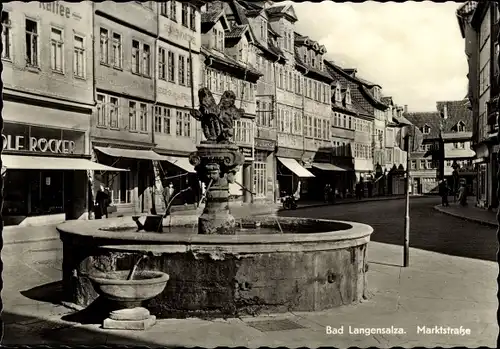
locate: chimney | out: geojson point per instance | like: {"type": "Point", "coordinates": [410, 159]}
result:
{"type": "Point", "coordinates": [445, 111]}
{"type": "Point", "coordinates": [405, 109]}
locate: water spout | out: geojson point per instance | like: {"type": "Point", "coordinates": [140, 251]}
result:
{"type": "Point", "coordinates": [132, 271]}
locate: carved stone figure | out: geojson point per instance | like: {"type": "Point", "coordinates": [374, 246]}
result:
{"type": "Point", "coordinates": [228, 114]}
{"type": "Point", "coordinates": [217, 121]}
{"type": "Point", "coordinates": [208, 114]}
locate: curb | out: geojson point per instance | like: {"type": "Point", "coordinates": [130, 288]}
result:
{"type": "Point", "coordinates": [353, 202]}
{"type": "Point", "coordinates": [29, 241]}
{"type": "Point", "coordinates": [474, 220]}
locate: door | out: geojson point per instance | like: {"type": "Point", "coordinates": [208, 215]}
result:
{"type": "Point", "coordinates": [52, 191]}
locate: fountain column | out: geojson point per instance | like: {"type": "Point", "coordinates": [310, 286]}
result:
{"type": "Point", "coordinates": [216, 164]}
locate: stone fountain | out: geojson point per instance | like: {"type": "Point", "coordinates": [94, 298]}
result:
{"type": "Point", "coordinates": [217, 160]}
{"type": "Point", "coordinates": [229, 267]}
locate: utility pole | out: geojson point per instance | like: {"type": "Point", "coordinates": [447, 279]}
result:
{"type": "Point", "coordinates": [406, 252]}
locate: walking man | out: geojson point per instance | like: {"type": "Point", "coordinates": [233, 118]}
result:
{"type": "Point", "coordinates": [444, 191]}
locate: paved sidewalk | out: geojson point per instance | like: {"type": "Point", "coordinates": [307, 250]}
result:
{"type": "Point", "coordinates": [470, 213]}
{"type": "Point", "coordinates": [436, 290]}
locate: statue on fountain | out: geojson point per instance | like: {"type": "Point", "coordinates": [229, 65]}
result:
{"type": "Point", "coordinates": [217, 159]}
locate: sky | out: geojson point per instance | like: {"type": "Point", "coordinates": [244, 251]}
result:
{"type": "Point", "coordinates": [414, 50]}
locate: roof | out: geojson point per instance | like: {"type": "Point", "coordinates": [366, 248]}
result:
{"type": "Point", "coordinates": [211, 16]}
{"type": "Point", "coordinates": [275, 9]}
{"type": "Point", "coordinates": [236, 31]}
{"type": "Point", "coordinates": [457, 111]}
{"type": "Point", "coordinates": [420, 119]}
{"type": "Point", "coordinates": [224, 58]}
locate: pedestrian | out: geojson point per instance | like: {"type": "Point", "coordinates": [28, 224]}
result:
{"type": "Point", "coordinates": [443, 192]}
{"type": "Point", "coordinates": [462, 195]}
{"type": "Point", "coordinates": [102, 202]}
{"type": "Point", "coordinates": [326, 193]}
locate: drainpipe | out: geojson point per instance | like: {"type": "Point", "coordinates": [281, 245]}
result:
{"type": "Point", "coordinates": [275, 109]}
{"type": "Point", "coordinates": [303, 117]}
{"type": "Point", "coordinates": [155, 94]}
{"type": "Point", "coordinates": [91, 173]}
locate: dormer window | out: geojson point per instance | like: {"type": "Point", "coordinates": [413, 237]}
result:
{"type": "Point", "coordinates": [218, 36]}
{"type": "Point", "coordinates": [426, 129]}
{"type": "Point", "coordinates": [348, 96]}
{"type": "Point", "coordinates": [461, 127]}
{"type": "Point", "coordinates": [338, 98]}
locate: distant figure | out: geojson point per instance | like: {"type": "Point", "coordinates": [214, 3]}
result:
{"type": "Point", "coordinates": [462, 195]}
{"type": "Point", "coordinates": [326, 193]}
{"type": "Point", "coordinates": [102, 202]}
{"type": "Point", "coordinates": [444, 192]}
{"type": "Point", "coordinates": [168, 193]}
{"type": "Point", "coordinates": [296, 195]}
{"type": "Point", "coordinates": [370, 189]}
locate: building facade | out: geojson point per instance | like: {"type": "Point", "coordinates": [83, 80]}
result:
{"type": "Point", "coordinates": [48, 102]}
{"type": "Point", "coordinates": [228, 64]}
{"type": "Point", "coordinates": [479, 25]}
{"type": "Point", "coordinates": [424, 163]}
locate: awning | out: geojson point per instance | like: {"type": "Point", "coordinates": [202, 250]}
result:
{"type": "Point", "coordinates": [180, 162]}
{"type": "Point", "coordinates": [480, 160]}
{"type": "Point", "coordinates": [328, 167]}
{"type": "Point", "coordinates": [459, 153]}
{"type": "Point", "coordinates": [295, 167]}
{"type": "Point", "coordinates": [20, 162]}
{"type": "Point", "coordinates": [131, 153]}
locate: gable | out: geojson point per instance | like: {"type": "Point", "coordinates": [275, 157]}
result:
{"type": "Point", "coordinates": [291, 12]}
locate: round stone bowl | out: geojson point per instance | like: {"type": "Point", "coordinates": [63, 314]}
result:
{"type": "Point", "coordinates": [113, 285]}
{"type": "Point", "coordinates": [272, 265]}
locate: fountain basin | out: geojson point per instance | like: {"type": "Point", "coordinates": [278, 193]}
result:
{"type": "Point", "coordinates": [114, 285]}
{"type": "Point", "coordinates": [313, 265]}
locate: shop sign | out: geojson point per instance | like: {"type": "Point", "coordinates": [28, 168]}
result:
{"type": "Point", "coordinates": [43, 145]}
{"type": "Point", "coordinates": [58, 8]}
{"type": "Point", "coordinates": [247, 152]}
{"type": "Point", "coordinates": [34, 139]}
{"type": "Point", "coordinates": [264, 144]}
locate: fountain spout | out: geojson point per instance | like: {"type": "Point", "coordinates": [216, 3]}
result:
{"type": "Point", "coordinates": [134, 268]}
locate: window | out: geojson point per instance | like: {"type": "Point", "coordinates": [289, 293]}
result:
{"type": "Point", "coordinates": [188, 72]}
{"type": "Point", "coordinates": [187, 124]}
{"type": "Point", "coordinates": [260, 174]}
{"type": "Point", "coordinates": [103, 46]}
{"type": "Point", "coordinates": [31, 43]}
{"type": "Point", "coordinates": [117, 51]}
{"type": "Point", "coordinates": [178, 122]}
{"type": "Point", "coordinates": [158, 119]}
{"type": "Point", "coordinates": [182, 73]}
{"type": "Point", "coordinates": [171, 67]}
{"type": "Point", "coordinates": [6, 36]}
{"type": "Point", "coordinates": [143, 117]}
{"type": "Point", "coordinates": [162, 64]}
{"type": "Point", "coordinates": [78, 57]}
{"type": "Point", "coordinates": [484, 78]}
{"type": "Point", "coordinates": [101, 110]}
{"type": "Point", "coordinates": [132, 115]}
{"type": "Point", "coordinates": [192, 18]}
{"type": "Point", "coordinates": [56, 50]}
{"type": "Point", "coordinates": [113, 112]}
{"type": "Point", "coordinates": [166, 121]}
{"type": "Point", "coordinates": [136, 63]}
{"type": "Point", "coordinates": [184, 14]}
{"type": "Point", "coordinates": [173, 10]}
{"type": "Point", "coordinates": [426, 130]}
{"type": "Point", "coordinates": [164, 9]}
{"type": "Point", "coordinates": [146, 60]}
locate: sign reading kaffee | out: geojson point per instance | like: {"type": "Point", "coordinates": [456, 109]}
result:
{"type": "Point", "coordinates": [43, 145]}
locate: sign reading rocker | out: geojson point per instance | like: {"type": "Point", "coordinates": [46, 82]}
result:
{"type": "Point", "coordinates": [33, 139]}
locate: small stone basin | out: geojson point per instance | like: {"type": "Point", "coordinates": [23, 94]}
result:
{"type": "Point", "coordinates": [130, 293]}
